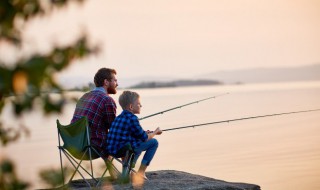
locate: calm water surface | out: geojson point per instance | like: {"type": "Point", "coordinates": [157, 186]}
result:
{"type": "Point", "coordinates": [277, 153]}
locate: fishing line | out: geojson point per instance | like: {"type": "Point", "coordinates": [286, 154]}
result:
{"type": "Point", "coordinates": [239, 119]}
{"type": "Point", "coordinates": [162, 112]}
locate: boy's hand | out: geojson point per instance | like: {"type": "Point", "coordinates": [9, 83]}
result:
{"type": "Point", "coordinates": [148, 131]}
{"type": "Point", "coordinates": [158, 131]}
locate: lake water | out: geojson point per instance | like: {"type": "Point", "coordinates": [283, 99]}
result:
{"type": "Point", "coordinates": [277, 153]}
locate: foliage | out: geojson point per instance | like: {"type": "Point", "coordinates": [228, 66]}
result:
{"type": "Point", "coordinates": [30, 80]}
{"type": "Point", "coordinates": [10, 134]}
{"type": "Point", "coordinates": [53, 176]}
{"type": "Point", "coordinates": [8, 177]}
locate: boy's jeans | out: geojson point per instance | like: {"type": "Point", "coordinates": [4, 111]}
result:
{"type": "Point", "coordinates": [150, 147]}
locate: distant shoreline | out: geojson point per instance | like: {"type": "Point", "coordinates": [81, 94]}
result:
{"type": "Point", "coordinates": [175, 83]}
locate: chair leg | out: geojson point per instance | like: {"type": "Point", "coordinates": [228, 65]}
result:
{"type": "Point", "coordinates": [126, 166]}
{"type": "Point", "coordinates": [62, 173]}
{"type": "Point", "coordinates": [71, 158]}
{"type": "Point", "coordinates": [76, 168]}
{"type": "Point", "coordinates": [111, 168]}
{"type": "Point", "coordinates": [60, 149]}
{"type": "Point", "coordinates": [91, 163]}
{"type": "Point", "coordinates": [101, 178]}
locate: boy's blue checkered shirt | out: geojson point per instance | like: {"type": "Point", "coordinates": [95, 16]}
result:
{"type": "Point", "coordinates": [125, 128]}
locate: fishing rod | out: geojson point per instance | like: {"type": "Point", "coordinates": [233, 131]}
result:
{"type": "Point", "coordinates": [239, 119]}
{"type": "Point", "coordinates": [162, 112]}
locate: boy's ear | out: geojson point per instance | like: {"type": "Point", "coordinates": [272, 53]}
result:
{"type": "Point", "coordinates": [130, 106]}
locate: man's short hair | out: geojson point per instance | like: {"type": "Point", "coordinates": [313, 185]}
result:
{"type": "Point", "coordinates": [127, 98]}
{"type": "Point", "coordinates": [102, 74]}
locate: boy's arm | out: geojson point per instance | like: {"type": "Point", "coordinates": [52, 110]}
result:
{"type": "Point", "coordinates": [136, 129]}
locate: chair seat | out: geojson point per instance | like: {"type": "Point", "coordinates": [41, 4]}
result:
{"type": "Point", "coordinates": [122, 152]}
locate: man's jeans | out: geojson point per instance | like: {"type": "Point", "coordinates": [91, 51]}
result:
{"type": "Point", "coordinates": [150, 147]}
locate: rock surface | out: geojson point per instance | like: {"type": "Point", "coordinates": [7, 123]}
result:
{"type": "Point", "coordinates": [172, 180]}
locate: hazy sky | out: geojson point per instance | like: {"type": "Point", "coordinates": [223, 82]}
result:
{"type": "Point", "coordinates": [185, 38]}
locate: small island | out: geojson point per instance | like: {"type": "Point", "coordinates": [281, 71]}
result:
{"type": "Point", "coordinates": [176, 83]}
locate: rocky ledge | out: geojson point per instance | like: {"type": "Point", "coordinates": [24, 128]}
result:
{"type": "Point", "coordinates": [172, 180]}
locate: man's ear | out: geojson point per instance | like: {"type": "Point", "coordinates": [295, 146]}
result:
{"type": "Point", "coordinates": [106, 82]}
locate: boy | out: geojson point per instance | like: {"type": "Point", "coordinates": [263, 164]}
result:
{"type": "Point", "coordinates": [126, 129]}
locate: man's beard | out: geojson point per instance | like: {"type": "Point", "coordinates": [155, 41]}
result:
{"type": "Point", "coordinates": [112, 90]}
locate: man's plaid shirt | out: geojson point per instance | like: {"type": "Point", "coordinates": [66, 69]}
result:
{"type": "Point", "coordinates": [125, 128]}
{"type": "Point", "coordinates": [100, 109]}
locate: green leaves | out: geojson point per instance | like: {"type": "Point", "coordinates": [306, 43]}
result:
{"type": "Point", "coordinates": [8, 177]}
{"type": "Point", "coordinates": [30, 81]}
{"type": "Point", "coordinates": [12, 11]}
{"type": "Point", "coordinates": [53, 176]}
{"type": "Point", "coordinates": [33, 77]}
{"type": "Point", "coordinates": [11, 134]}
{"type": "Point", "coordinates": [20, 11]}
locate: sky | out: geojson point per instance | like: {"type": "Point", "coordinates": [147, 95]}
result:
{"type": "Point", "coordinates": [182, 38]}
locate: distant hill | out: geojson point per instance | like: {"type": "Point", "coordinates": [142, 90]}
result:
{"type": "Point", "coordinates": [262, 75]}
{"type": "Point", "coordinates": [176, 83]}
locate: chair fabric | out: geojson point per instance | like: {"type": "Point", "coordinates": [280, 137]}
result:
{"type": "Point", "coordinates": [76, 139]}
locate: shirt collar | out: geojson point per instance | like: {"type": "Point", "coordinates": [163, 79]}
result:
{"type": "Point", "coordinates": [127, 112]}
{"type": "Point", "coordinates": [101, 89]}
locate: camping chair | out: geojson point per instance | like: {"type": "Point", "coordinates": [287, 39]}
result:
{"type": "Point", "coordinates": [77, 148]}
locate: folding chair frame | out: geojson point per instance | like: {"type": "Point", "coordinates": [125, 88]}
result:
{"type": "Point", "coordinates": [126, 162]}
{"type": "Point", "coordinates": [77, 164]}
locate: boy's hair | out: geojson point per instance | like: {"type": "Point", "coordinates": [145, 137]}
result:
{"type": "Point", "coordinates": [127, 98]}
{"type": "Point", "coordinates": [103, 73]}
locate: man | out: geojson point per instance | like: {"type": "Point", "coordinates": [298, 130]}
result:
{"type": "Point", "coordinates": [99, 108]}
